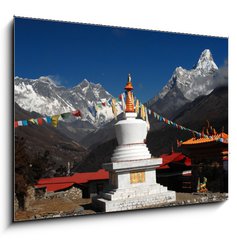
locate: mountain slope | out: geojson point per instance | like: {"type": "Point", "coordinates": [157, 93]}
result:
{"type": "Point", "coordinates": [40, 138]}
{"type": "Point", "coordinates": [101, 135]}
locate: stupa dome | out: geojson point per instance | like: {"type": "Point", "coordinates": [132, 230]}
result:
{"type": "Point", "coordinates": [130, 132]}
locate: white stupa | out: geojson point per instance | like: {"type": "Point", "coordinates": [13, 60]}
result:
{"type": "Point", "coordinates": [132, 171]}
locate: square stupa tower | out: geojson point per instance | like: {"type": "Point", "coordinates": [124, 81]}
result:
{"type": "Point", "coordinates": [132, 171]}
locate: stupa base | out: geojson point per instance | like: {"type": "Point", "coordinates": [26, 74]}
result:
{"type": "Point", "coordinates": [132, 186]}
{"type": "Point", "coordinates": [152, 200]}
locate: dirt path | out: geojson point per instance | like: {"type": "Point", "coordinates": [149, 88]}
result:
{"type": "Point", "coordinates": [62, 207]}
{"type": "Point", "coordinates": [52, 208]}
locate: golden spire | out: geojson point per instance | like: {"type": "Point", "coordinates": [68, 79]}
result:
{"type": "Point", "coordinates": [129, 99]}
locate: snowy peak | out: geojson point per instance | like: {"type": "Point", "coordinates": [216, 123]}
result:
{"type": "Point", "coordinates": [83, 84]}
{"type": "Point", "coordinates": [186, 85]}
{"type": "Point", "coordinates": [46, 80]}
{"type": "Point", "coordinates": [91, 91]}
{"type": "Point", "coordinates": [195, 82]}
{"type": "Point", "coordinates": [44, 96]}
{"type": "Point", "coordinates": [206, 62]}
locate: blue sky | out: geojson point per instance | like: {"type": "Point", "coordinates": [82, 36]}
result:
{"type": "Point", "coordinates": [71, 52]}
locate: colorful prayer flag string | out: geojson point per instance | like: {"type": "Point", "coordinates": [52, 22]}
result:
{"type": "Point", "coordinates": [47, 119]}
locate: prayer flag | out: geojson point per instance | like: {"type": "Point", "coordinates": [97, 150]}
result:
{"type": "Point", "coordinates": [40, 121]}
{"type": "Point", "coordinates": [147, 120]}
{"type": "Point", "coordinates": [99, 105]}
{"type": "Point", "coordinates": [15, 124]}
{"type": "Point", "coordinates": [92, 110]}
{"type": "Point", "coordinates": [76, 113]}
{"type": "Point", "coordinates": [65, 115]}
{"type": "Point", "coordinates": [35, 121]}
{"type": "Point", "coordinates": [137, 106]}
{"type": "Point", "coordinates": [114, 110]}
{"type": "Point", "coordinates": [110, 102]}
{"type": "Point", "coordinates": [31, 120]}
{"type": "Point", "coordinates": [24, 123]}
{"type": "Point", "coordinates": [45, 119]}
{"type": "Point", "coordinates": [48, 119]}
{"type": "Point", "coordinates": [55, 120]}
{"type": "Point", "coordinates": [123, 102]}
{"type": "Point", "coordinates": [20, 123]}
{"type": "Point", "coordinates": [143, 114]}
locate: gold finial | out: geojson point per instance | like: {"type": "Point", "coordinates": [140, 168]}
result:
{"type": "Point", "coordinates": [129, 86]}
{"type": "Point", "coordinates": [129, 99]}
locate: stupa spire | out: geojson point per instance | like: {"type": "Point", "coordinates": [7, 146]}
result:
{"type": "Point", "coordinates": [129, 99]}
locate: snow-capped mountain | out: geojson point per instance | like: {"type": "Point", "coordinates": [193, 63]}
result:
{"type": "Point", "coordinates": [44, 96]}
{"type": "Point", "coordinates": [186, 85]}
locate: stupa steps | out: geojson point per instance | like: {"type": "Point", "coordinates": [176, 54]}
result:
{"type": "Point", "coordinates": [131, 193]}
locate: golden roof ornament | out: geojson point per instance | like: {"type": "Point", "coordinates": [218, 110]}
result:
{"type": "Point", "coordinates": [129, 99]}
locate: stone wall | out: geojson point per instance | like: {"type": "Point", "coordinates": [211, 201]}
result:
{"type": "Point", "coordinates": [30, 197]}
{"type": "Point", "coordinates": [73, 193]}
{"type": "Point", "coordinates": [16, 204]}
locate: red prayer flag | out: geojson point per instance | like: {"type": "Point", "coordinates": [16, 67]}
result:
{"type": "Point", "coordinates": [76, 113]}
{"type": "Point", "coordinates": [103, 103]}
{"type": "Point", "coordinates": [16, 124]}
{"type": "Point", "coordinates": [40, 121]}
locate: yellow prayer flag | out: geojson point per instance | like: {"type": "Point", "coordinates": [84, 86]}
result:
{"type": "Point", "coordinates": [143, 114]}
{"type": "Point", "coordinates": [114, 110]}
{"type": "Point", "coordinates": [137, 106]}
{"type": "Point", "coordinates": [32, 120]}
{"type": "Point", "coordinates": [55, 120]}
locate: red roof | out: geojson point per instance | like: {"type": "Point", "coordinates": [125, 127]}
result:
{"type": "Point", "coordinates": [221, 137]}
{"type": "Point", "coordinates": [173, 157]}
{"type": "Point", "coordinates": [59, 183]}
